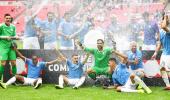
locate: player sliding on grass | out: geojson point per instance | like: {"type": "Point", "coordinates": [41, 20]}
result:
{"type": "Point", "coordinates": [101, 56]}
{"type": "Point", "coordinates": [165, 57]}
{"type": "Point", "coordinates": [122, 79]}
{"type": "Point", "coordinates": [34, 69]}
{"type": "Point", "coordinates": [75, 75]}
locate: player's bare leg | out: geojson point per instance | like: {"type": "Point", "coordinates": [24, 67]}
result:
{"type": "Point", "coordinates": [37, 83]}
{"type": "Point", "coordinates": [135, 79]}
{"type": "Point", "coordinates": [12, 80]}
{"type": "Point", "coordinates": [62, 79]}
{"type": "Point", "coordinates": [80, 82]}
{"type": "Point", "coordinates": [91, 73]}
{"type": "Point", "coordinates": [165, 78]}
{"type": "Point", "coordinates": [121, 89]}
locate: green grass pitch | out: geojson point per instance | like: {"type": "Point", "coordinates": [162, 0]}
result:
{"type": "Point", "coordinates": [48, 92]}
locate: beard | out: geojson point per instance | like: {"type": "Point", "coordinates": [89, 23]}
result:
{"type": "Point", "coordinates": [100, 47]}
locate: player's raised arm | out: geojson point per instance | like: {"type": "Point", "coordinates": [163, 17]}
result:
{"type": "Point", "coordinates": [78, 31]}
{"type": "Point", "coordinates": [80, 44]}
{"type": "Point", "coordinates": [53, 62]}
{"type": "Point", "coordinates": [61, 56]}
{"type": "Point", "coordinates": [121, 56]}
{"type": "Point", "coordinates": [85, 60]}
{"type": "Point", "coordinates": [10, 37]}
{"type": "Point", "coordinates": [158, 47]}
{"type": "Point", "coordinates": [89, 50]}
{"type": "Point", "coordinates": [164, 26]}
{"type": "Point", "coordinates": [19, 54]}
{"type": "Point", "coordinates": [59, 59]}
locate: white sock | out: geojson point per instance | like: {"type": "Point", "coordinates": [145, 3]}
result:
{"type": "Point", "coordinates": [39, 80]}
{"type": "Point", "coordinates": [165, 78]}
{"type": "Point", "coordinates": [140, 82]}
{"type": "Point", "coordinates": [128, 90]}
{"type": "Point", "coordinates": [80, 82]}
{"type": "Point", "coordinates": [61, 80]}
{"type": "Point", "coordinates": [10, 81]}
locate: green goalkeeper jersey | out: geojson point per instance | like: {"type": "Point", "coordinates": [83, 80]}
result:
{"type": "Point", "coordinates": [6, 31]}
{"type": "Point", "coordinates": [101, 57]}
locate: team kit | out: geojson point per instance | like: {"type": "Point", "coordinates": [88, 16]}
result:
{"type": "Point", "coordinates": [125, 71]}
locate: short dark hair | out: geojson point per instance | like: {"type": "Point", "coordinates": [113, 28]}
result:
{"type": "Point", "coordinates": [74, 54]}
{"type": "Point", "coordinates": [100, 40]}
{"type": "Point", "coordinates": [113, 59]}
{"type": "Point", "coordinates": [7, 14]}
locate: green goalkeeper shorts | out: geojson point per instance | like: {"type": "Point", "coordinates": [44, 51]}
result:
{"type": "Point", "coordinates": [7, 54]}
{"type": "Point", "coordinates": [100, 71]}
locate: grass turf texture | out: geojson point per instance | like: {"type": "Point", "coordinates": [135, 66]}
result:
{"type": "Point", "coordinates": [48, 92]}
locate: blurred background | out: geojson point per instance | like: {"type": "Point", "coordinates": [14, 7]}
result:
{"type": "Point", "coordinates": [46, 24]}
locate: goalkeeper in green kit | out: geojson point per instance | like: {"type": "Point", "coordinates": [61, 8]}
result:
{"type": "Point", "coordinates": [7, 34]}
{"type": "Point", "coordinates": [101, 57]}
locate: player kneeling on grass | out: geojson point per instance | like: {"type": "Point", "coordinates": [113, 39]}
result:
{"type": "Point", "coordinates": [123, 80]}
{"type": "Point", "coordinates": [34, 69]}
{"type": "Point", "coordinates": [75, 76]}
{"type": "Point", "coordinates": [101, 56]}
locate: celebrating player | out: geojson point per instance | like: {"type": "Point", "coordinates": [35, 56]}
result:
{"type": "Point", "coordinates": [34, 69]}
{"type": "Point", "coordinates": [101, 56]}
{"type": "Point", "coordinates": [165, 57]}
{"type": "Point", "coordinates": [151, 32]}
{"type": "Point", "coordinates": [7, 33]}
{"type": "Point", "coordinates": [124, 81]}
{"type": "Point", "coordinates": [75, 76]}
{"type": "Point", "coordinates": [135, 60]}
